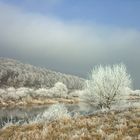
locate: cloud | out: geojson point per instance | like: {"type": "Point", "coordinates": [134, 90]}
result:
{"type": "Point", "coordinates": [47, 1]}
{"type": "Point", "coordinates": [68, 46]}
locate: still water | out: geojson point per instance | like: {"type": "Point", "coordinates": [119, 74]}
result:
{"type": "Point", "coordinates": [25, 113]}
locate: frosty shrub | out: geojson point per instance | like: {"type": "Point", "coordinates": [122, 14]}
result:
{"type": "Point", "coordinates": [133, 92]}
{"type": "Point", "coordinates": [11, 89]}
{"type": "Point", "coordinates": [14, 94]}
{"type": "Point", "coordinates": [55, 112]}
{"type": "Point", "coordinates": [107, 85]}
{"type": "Point", "coordinates": [22, 92]}
{"type": "Point", "coordinates": [2, 92]}
{"type": "Point", "coordinates": [59, 90]}
{"type": "Point", "coordinates": [77, 93]}
{"type": "Point", "coordinates": [61, 87]}
{"type": "Point", "coordinates": [42, 92]}
{"type": "Point", "coordinates": [11, 94]}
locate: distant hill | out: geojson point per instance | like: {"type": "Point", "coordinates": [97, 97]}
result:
{"type": "Point", "coordinates": [16, 74]}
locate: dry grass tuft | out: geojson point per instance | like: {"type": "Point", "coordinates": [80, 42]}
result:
{"type": "Point", "coordinates": [115, 125]}
{"type": "Point", "coordinates": [37, 101]}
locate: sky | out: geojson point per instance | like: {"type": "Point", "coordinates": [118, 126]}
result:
{"type": "Point", "coordinates": [72, 36]}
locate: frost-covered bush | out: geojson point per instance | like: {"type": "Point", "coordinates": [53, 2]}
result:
{"type": "Point", "coordinates": [77, 93]}
{"type": "Point", "coordinates": [59, 90]}
{"type": "Point", "coordinates": [107, 85]}
{"type": "Point", "coordinates": [2, 92]}
{"type": "Point", "coordinates": [22, 92]}
{"type": "Point", "coordinates": [133, 92]}
{"type": "Point", "coordinates": [43, 92]}
{"type": "Point", "coordinates": [11, 89]}
{"type": "Point", "coordinates": [61, 87]}
{"type": "Point", "coordinates": [10, 94]}
{"type": "Point", "coordinates": [14, 94]}
{"type": "Point", "coordinates": [40, 92]}
{"type": "Point", "coordinates": [54, 112]}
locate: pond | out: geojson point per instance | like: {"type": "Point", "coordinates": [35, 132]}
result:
{"type": "Point", "coordinates": [24, 114]}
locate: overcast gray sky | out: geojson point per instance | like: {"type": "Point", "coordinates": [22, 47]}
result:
{"type": "Point", "coordinates": [71, 45]}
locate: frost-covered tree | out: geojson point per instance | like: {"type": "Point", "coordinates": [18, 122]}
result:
{"type": "Point", "coordinates": [107, 85]}
{"type": "Point", "coordinates": [60, 89]}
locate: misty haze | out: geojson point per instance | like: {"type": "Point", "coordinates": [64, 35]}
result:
{"type": "Point", "coordinates": [69, 70]}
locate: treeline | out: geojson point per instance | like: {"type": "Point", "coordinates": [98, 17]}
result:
{"type": "Point", "coordinates": [16, 74]}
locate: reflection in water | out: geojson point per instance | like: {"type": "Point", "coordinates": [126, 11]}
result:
{"type": "Point", "coordinates": [23, 114]}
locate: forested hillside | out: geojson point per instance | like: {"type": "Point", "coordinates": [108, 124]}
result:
{"type": "Point", "coordinates": [16, 74]}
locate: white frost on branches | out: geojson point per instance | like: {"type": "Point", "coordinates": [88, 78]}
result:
{"type": "Point", "coordinates": [16, 74]}
{"type": "Point", "coordinates": [59, 90]}
{"type": "Point", "coordinates": [107, 85]}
